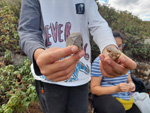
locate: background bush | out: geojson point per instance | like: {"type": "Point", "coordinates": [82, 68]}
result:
{"type": "Point", "coordinates": [135, 31]}
{"type": "Point", "coordinates": [17, 89]}
{"type": "Point", "coordinates": [9, 18]}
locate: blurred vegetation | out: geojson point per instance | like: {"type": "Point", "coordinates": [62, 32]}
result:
{"type": "Point", "coordinates": [135, 31]}
{"type": "Point", "coordinates": [17, 88]}
{"type": "Point", "coordinates": [13, 5]}
{"type": "Point", "coordinates": [9, 18]}
{"type": "Point", "coordinates": [16, 82]}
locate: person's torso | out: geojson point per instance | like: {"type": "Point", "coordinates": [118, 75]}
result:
{"type": "Point", "coordinates": [60, 18]}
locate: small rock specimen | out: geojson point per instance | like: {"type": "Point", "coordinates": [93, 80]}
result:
{"type": "Point", "coordinates": [113, 53]}
{"type": "Point", "coordinates": [75, 39]}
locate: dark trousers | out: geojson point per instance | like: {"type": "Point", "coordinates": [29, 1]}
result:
{"type": "Point", "coordinates": [108, 104]}
{"type": "Point", "coordinates": [61, 99]}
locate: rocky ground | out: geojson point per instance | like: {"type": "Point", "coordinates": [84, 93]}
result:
{"type": "Point", "coordinates": [142, 71]}
{"type": "Point", "coordinates": [34, 108]}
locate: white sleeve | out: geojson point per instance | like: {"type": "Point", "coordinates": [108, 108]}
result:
{"type": "Point", "coordinates": [99, 29]}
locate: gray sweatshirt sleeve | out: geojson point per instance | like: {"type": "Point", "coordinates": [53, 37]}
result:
{"type": "Point", "coordinates": [29, 29]}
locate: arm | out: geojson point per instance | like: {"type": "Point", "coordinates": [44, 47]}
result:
{"type": "Point", "coordinates": [29, 30]}
{"type": "Point", "coordinates": [129, 78]}
{"type": "Point", "coordinates": [99, 29]}
{"type": "Point", "coordinates": [99, 90]}
{"type": "Point", "coordinates": [131, 84]}
{"type": "Point", "coordinates": [30, 27]}
{"type": "Point", "coordinates": [46, 61]}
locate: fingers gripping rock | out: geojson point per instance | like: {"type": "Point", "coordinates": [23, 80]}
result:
{"type": "Point", "coordinates": [113, 53]}
{"type": "Point", "coordinates": [75, 39]}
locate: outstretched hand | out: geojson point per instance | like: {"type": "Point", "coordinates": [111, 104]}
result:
{"type": "Point", "coordinates": [52, 67]}
{"type": "Point", "coordinates": [111, 68]}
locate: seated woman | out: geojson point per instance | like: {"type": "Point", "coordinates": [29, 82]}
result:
{"type": "Point", "coordinates": [112, 95]}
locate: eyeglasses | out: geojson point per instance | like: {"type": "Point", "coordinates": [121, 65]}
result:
{"type": "Point", "coordinates": [121, 46]}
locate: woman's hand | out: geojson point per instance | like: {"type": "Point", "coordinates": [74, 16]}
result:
{"type": "Point", "coordinates": [123, 87]}
{"type": "Point", "coordinates": [131, 86]}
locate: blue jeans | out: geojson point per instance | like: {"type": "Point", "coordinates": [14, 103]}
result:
{"type": "Point", "coordinates": [62, 99]}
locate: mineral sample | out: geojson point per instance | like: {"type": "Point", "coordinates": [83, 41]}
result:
{"type": "Point", "coordinates": [113, 53]}
{"type": "Point", "coordinates": [75, 39]}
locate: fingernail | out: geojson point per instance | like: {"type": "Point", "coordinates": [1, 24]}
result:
{"type": "Point", "coordinates": [101, 57]}
{"type": "Point", "coordinates": [122, 60]}
{"type": "Point", "coordinates": [108, 61]}
{"type": "Point", "coordinates": [74, 49]}
{"type": "Point", "coordinates": [81, 54]}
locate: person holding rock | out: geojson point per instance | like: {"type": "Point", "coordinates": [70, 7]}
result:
{"type": "Point", "coordinates": [62, 73]}
{"type": "Point", "coordinates": [112, 95]}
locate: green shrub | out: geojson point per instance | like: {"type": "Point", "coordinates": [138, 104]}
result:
{"type": "Point", "coordinates": [134, 29]}
{"type": "Point", "coordinates": [8, 30]}
{"type": "Point", "coordinates": [14, 6]}
{"type": "Point", "coordinates": [17, 89]}
{"type": "Point", "coordinates": [136, 48]}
